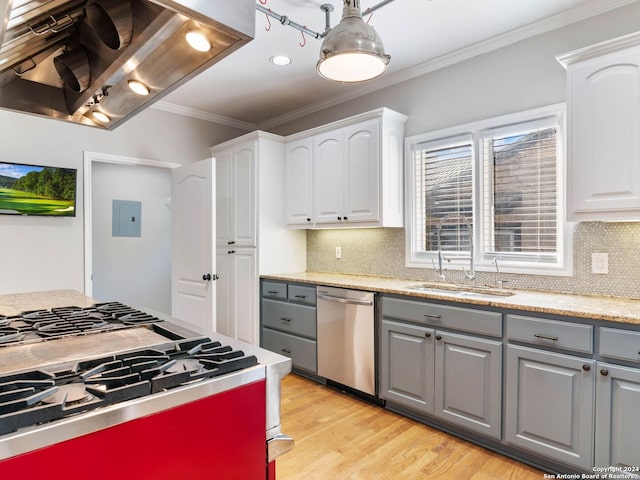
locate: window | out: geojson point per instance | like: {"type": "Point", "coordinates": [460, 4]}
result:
{"type": "Point", "coordinates": [494, 187]}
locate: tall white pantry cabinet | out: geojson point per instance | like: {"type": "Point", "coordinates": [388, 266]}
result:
{"type": "Point", "coordinates": [251, 238]}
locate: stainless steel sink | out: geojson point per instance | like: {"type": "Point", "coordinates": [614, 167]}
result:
{"type": "Point", "coordinates": [461, 290]}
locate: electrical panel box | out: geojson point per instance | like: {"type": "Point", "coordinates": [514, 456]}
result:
{"type": "Point", "coordinates": [126, 218]}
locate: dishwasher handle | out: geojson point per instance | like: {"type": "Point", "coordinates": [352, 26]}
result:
{"type": "Point", "coordinates": [349, 301]}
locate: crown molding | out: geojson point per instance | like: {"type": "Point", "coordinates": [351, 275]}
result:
{"type": "Point", "coordinates": [593, 8]}
{"type": "Point", "coordinates": [202, 115]}
{"type": "Point", "coordinates": [582, 12]}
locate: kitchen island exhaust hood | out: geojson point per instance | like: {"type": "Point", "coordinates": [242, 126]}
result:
{"type": "Point", "coordinates": [80, 60]}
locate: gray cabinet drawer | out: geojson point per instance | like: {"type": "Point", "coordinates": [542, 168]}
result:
{"type": "Point", "coordinates": [274, 290]}
{"type": "Point", "coordinates": [550, 333]}
{"type": "Point", "coordinates": [618, 343]}
{"type": "Point", "coordinates": [289, 317]}
{"type": "Point", "coordinates": [303, 352]}
{"type": "Point", "coordinates": [301, 294]}
{"type": "Point", "coordinates": [445, 316]}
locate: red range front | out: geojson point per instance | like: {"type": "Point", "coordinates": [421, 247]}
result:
{"type": "Point", "coordinates": [217, 437]}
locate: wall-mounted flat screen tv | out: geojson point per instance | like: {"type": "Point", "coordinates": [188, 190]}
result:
{"type": "Point", "coordinates": [37, 190]}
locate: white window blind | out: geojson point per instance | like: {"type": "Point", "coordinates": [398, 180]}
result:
{"type": "Point", "coordinates": [445, 187]}
{"type": "Point", "coordinates": [521, 203]}
{"type": "Point", "coordinates": [496, 187]}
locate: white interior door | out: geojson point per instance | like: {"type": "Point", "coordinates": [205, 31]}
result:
{"type": "Point", "coordinates": [193, 286]}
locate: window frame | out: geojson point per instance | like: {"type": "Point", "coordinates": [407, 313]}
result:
{"type": "Point", "coordinates": [483, 260]}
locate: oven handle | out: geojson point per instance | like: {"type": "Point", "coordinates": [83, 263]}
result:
{"type": "Point", "coordinates": [277, 446]}
{"type": "Point", "coordinates": [349, 301]}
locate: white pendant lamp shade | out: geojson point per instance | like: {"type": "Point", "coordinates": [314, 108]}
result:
{"type": "Point", "coordinates": [352, 51]}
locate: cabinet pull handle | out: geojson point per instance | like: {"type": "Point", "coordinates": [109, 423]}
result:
{"type": "Point", "coordinates": [604, 372]}
{"type": "Point", "coordinates": [586, 367]}
{"type": "Point", "coordinates": [427, 335]}
{"type": "Point", "coordinates": [272, 292]}
{"type": "Point", "coordinates": [285, 319]}
{"type": "Point", "coordinates": [545, 337]}
{"type": "Point", "coordinates": [432, 315]}
{"type": "Point", "coordinates": [231, 243]}
{"type": "Point", "coordinates": [231, 251]}
{"type": "Point", "coordinates": [284, 350]}
{"type": "Point", "coordinates": [438, 337]}
{"type": "Point", "coordinates": [301, 296]}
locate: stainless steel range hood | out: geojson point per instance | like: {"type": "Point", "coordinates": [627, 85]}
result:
{"type": "Point", "coordinates": [74, 59]}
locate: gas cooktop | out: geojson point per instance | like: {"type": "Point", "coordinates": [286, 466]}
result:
{"type": "Point", "coordinates": [42, 395]}
{"type": "Point", "coordinates": [38, 325]}
{"type": "Point", "coordinates": [64, 361]}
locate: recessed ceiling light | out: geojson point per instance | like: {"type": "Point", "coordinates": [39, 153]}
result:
{"type": "Point", "coordinates": [101, 117]}
{"type": "Point", "coordinates": [198, 41]}
{"type": "Point", "coordinates": [280, 60]}
{"type": "Point", "coordinates": [138, 87]}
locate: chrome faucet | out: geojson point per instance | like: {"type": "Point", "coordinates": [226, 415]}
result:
{"type": "Point", "coordinates": [440, 268]}
{"type": "Point", "coordinates": [471, 273]}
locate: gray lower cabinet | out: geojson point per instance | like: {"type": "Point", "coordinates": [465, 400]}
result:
{"type": "Point", "coordinates": [617, 400]}
{"type": "Point", "coordinates": [468, 382]}
{"type": "Point", "coordinates": [454, 377]}
{"type": "Point", "coordinates": [407, 365]}
{"type": "Point", "coordinates": [288, 323]}
{"type": "Point", "coordinates": [550, 404]}
{"type": "Point", "coordinates": [617, 419]}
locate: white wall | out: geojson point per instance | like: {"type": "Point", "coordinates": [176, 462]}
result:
{"type": "Point", "coordinates": [517, 77]}
{"type": "Point", "coordinates": [132, 270]}
{"type": "Point", "coordinates": [47, 253]}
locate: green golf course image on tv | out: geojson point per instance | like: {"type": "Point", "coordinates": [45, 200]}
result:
{"type": "Point", "coordinates": [37, 190]}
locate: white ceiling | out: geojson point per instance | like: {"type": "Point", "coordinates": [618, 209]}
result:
{"type": "Point", "coordinates": [245, 90]}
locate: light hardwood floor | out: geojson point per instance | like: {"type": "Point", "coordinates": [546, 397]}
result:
{"type": "Point", "coordinates": [338, 437]}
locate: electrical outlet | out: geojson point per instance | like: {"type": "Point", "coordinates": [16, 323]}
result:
{"type": "Point", "coordinates": [338, 252]}
{"type": "Point", "coordinates": [600, 263]}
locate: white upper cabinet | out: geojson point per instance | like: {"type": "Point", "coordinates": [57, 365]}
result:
{"type": "Point", "coordinates": [604, 131]}
{"type": "Point", "coordinates": [328, 177]}
{"type": "Point", "coordinates": [362, 190]}
{"type": "Point", "coordinates": [236, 191]}
{"type": "Point", "coordinates": [356, 173]}
{"type": "Point", "coordinates": [299, 171]}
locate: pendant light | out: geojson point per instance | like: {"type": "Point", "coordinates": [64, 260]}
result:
{"type": "Point", "coordinates": [352, 51]}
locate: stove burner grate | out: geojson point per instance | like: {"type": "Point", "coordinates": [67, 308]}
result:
{"type": "Point", "coordinates": [33, 325]}
{"type": "Point", "coordinates": [34, 397]}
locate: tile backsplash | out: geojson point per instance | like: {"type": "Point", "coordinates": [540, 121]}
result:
{"type": "Point", "coordinates": [381, 251]}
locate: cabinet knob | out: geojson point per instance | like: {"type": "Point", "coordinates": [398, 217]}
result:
{"type": "Point", "coordinates": [308, 219]}
{"type": "Point", "coordinates": [604, 372]}
{"type": "Point", "coordinates": [586, 367]}
{"type": "Point", "coordinates": [231, 243]}
{"type": "Point", "coordinates": [206, 277]}
{"type": "Point", "coordinates": [427, 335]}
{"type": "Point", "coordinates": [346, 218]}
{"type": "Point", "coordinates": [339, 218]}
{"type": "Point", "coordinates": [231, 251]}
{"type": "Point", "coordinates": [438, 337]}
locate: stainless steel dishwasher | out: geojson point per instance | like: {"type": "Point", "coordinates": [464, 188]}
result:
{"type": "Point", "coordinates": [346, 341]}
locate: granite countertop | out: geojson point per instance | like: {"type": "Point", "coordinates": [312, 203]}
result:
{"type": "Point", "coordinates": [16, 303]}
{"type": "Point", "coordinates": [614, 309]}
